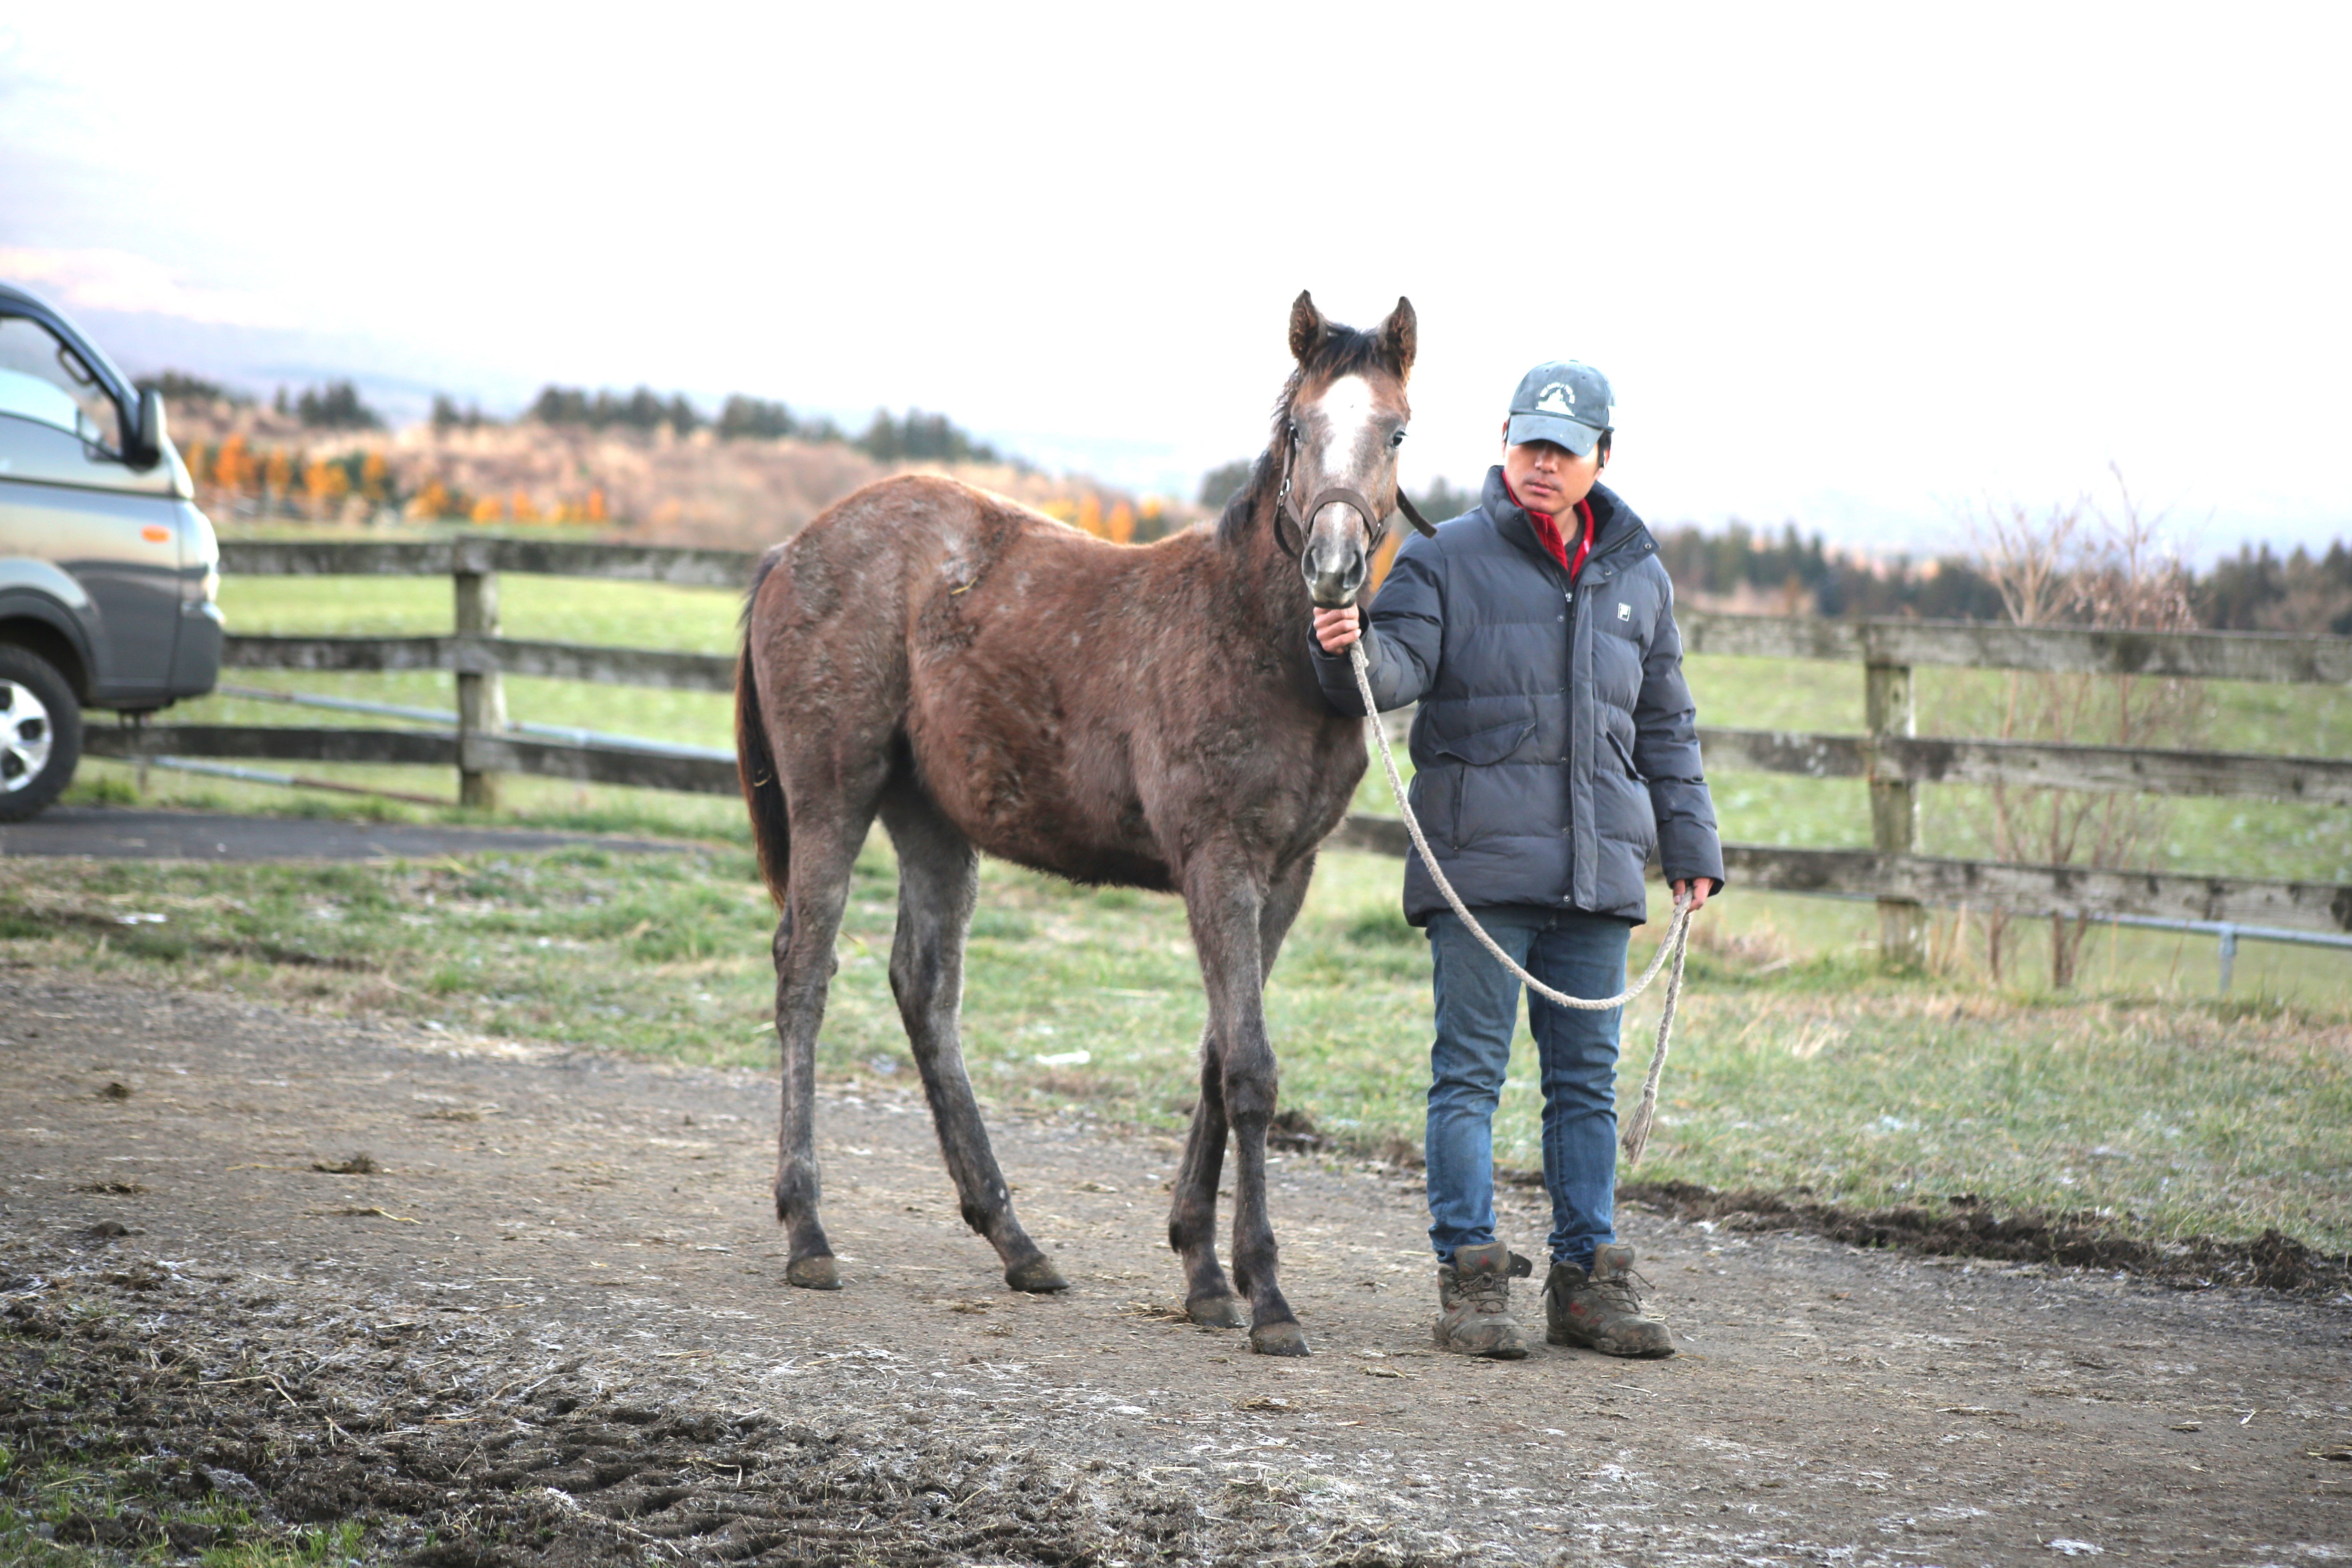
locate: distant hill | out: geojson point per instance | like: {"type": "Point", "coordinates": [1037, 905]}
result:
{"type": "Point", "coordinates": [640, 478]}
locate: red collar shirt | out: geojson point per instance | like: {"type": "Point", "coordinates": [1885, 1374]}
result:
{"type": "Point", "coordinates": [1547, 534]}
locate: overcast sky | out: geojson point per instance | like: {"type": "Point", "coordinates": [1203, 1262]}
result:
{"type": "Point", "coordinates": [1853, 267]}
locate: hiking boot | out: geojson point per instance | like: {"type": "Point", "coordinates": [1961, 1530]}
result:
{"type": "Point", "coordinates": [1475, 1292]}
{"type": "Point", "coordinates": [1597, 1308]}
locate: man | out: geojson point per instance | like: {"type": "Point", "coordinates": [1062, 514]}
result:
{"type": "Point", "coordinates": [1555, 747]}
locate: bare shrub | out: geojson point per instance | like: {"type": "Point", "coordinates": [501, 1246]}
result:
{"type": "Point", "coordinates": [2084, 564]}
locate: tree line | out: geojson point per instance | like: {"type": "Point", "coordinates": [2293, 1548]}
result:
{"type": "Point", "coordinates": [1805, 576]}
{"type": "Point", "coordinates": [2256, 590]}
{"type": "Point", "coordinates": [913, 437]}
{"type": "Point", "coordinates": [330, 405]}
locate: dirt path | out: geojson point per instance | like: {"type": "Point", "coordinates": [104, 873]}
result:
{"type": "Point", "coordinates": [552, 1326]}
{"type": "Point", "coordinates": [111, 833]}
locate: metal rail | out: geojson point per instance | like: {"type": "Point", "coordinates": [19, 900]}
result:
{"type": "Point", "coordinates": [2232, 932]}
{"type": "Point", "coordinates": [284, 781]}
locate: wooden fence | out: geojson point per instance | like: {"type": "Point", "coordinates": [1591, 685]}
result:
{"type": "Point", "coordinates": [1891, 759]}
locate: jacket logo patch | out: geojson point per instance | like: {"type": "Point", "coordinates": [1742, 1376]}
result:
{"type": "Point", "coordinates": [1624, 612]}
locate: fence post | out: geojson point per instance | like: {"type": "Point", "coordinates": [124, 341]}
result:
{"type": "Point", "coordinates": [481, 697]}
{"type": "Point", "coordinates": [1888, 711]}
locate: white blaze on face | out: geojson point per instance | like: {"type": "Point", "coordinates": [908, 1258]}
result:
{"type": "Point", "coordinates": [1347, 413]}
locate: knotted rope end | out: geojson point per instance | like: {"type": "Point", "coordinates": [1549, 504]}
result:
{"type": "Point", "coordinates": [1635, 1137]}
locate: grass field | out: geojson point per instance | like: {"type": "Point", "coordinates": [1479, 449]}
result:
{"type": "Point", "coordinates": [2171, 1116]}
{"type": "Point", "coordinates": [1797, 1065]}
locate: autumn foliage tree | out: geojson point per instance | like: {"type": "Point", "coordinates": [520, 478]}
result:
{"type": "Point", "coordinates": [324, 485]}
{"type": "Point", "coordinates": [233, 467]}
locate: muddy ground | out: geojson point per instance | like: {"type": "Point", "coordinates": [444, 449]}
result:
{"type": "Point", "coordinates": [545, 1321]}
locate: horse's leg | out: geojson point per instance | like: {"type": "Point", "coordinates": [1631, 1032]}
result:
{"type": "Point", "coordinates": [825, 847]}
{"type": "Point", "coordinates": [939, 880]}
{"type": "Point", "coordinates": [1227, 910]}
{"type": "Point", "coordinates": [1283, 897]}
{"type": "Point", "coordinates": [1193, 1216]}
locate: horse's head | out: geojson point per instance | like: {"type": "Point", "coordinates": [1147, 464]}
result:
{"type": "Point", "coordinates": [1343, 420]}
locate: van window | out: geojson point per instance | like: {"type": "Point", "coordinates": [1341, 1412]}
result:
{"type": "Point", "coordinates": [44, 380]}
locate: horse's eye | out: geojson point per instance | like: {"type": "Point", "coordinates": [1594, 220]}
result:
{"type": "Point", "coordinates": [1396, 439]}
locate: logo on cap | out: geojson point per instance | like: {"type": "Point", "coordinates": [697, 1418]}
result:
{"type": "Point", "coordinates": [1558, 396]}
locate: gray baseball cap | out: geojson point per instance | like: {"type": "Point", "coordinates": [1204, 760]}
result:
{"type": "Point", "coordinates": [1563, 402]}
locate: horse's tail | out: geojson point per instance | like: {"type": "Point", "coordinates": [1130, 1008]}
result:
{"type": "Point", "coordinates": [755, 763]}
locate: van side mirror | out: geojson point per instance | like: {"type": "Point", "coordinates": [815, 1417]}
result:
{"type": "Point", "coordinates": [146, 442]}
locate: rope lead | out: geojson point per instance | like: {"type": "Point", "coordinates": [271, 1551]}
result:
{"type": "Point", "coordinates": [1635, 1136]}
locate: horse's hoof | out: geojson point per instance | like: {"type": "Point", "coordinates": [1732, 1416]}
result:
{"type": "Point", "coordinates": [1037, 1275]}
{"type": "Point", "coordinates": [1215, 1311]}
{"type": "Point", "coordinates": [819, 1273]}
{"type": "Point", "coordinates": [1278, 1339]}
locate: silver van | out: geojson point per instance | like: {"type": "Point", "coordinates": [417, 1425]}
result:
{"type": "Point", "coordinates": [109, 574]}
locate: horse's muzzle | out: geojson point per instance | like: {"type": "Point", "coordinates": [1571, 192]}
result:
{"type": "Point", "coordinates": [1334, 577]}
{"type": "Point", "coordinates": [1335, 569]}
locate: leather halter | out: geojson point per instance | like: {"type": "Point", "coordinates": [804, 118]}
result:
{"type": "Point", "coordinates": [1375, 526]}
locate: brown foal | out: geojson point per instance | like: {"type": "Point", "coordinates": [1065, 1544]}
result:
{"type": "Point", "coordinates": [987, 679]}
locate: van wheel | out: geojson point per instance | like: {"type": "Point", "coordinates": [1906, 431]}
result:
{"type": "Point", "coordinates": [41, 733]}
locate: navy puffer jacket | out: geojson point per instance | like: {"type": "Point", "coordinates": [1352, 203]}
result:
{"type": "Point", "coordinates": [1557, 745]}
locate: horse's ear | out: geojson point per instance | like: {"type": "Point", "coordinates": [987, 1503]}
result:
{"type": "Point", "coordinates": [1307, 327]}
{"type": "Point", "coordinates": [1399, 336]}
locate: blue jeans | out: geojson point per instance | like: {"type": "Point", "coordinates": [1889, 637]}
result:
{"type": "Point", "coordinates": [1477, 1008]}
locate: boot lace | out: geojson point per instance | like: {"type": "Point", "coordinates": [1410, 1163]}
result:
{"type": "Point", "coordinates": [1483, 1292]}
{"type": "Point", "coordinates": [1620, 1291]}
{"type": "Point", "coordinates": [1492, 1292]}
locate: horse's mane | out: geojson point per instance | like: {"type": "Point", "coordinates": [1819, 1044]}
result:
{"type": "Point", "coordinates": [1344, 351]}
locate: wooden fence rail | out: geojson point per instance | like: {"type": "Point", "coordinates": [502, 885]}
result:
{"type": "Point", "coordinates": [480, 655]}
{"type": "Point", "coordinates": [2203, 656]}
{"type": "Point", "coordinates": [453, 557]}
{"type": "Point", "coordinates": [1990, 884]}
{"type": "Point", "coordinates": [587, 762]}
{"type": "Point", "coordinates": [1977, 884]}
{"type": "Point", "coordinates": [1891, 758]}
{"type": "Point", "coordinates": [1909, 758]}
{"type": "Point", "coordinates": [1933, 759]}
{"type": "Point", "coordinates": [1894, 761]}
{"type": "Point", "coordinates": [2213, 656]}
